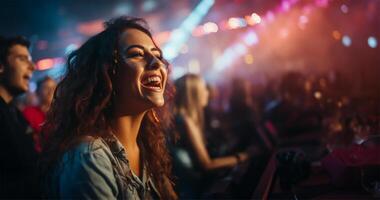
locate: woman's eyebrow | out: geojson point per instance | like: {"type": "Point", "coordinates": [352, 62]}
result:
{"type": "Point", "coordinates": [142, 48]}
{"type": "Point", "coordinates": [134, 46]}
{"type": "Point", "coordinates": [155, 49]}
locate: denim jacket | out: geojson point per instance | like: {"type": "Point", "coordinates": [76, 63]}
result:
{"type": "Point", "coordinates": [100, 170]}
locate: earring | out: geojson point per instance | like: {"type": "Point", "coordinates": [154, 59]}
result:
{"type": "Point", "coordinates": [155, 117]}
{"type": "Point", "coordinates": [115, 62]}
{"type": "Point", "coordinates": [115, 56]}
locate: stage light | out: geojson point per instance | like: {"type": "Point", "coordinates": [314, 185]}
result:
{"type": "Point", "coordinates": [256, 18]}
{"type": "Point", "coordinates": [372, 42]}
{"type": "Point", "coordinates": [318, 95]}
{"type": "Point", "coordinates": [249, 20]}
{"type": "Point", "coordinates": [182, 34]}
{"type": "Point", "coordinates": [229, 56]}
{"type": "Point", "coordinates": [226, 59]}
{"type": "Point", "coordinates": [336, 35]}
{"type": "Point", "coordinates": [346, 41]}
{"type": "Point", "coordinates": [45, 64]}
{"type": "Point", "coordinates": [235, 22]}
{"type": "Point", "coordinates": [210, 27]}
{"type": "Point", "coordinates": [344, 8]}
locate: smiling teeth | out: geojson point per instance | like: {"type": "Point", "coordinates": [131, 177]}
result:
{"type": "Point", "coordinates": [152, 79]}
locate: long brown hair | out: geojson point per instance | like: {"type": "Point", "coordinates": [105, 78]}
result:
{"type": "Point", "coordinates": [187, 98]}
{"type": "Point", "coordinates": [81, 105]}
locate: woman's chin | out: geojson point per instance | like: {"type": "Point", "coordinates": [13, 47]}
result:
{"type": "Point", "coordinates": [156, 101]}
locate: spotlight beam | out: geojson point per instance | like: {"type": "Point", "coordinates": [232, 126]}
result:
{"type": "Point", "coordinates": [182, 34]}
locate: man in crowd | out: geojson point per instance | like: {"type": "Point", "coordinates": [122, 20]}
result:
{"type": "Point", "coordinates": [18, 157]}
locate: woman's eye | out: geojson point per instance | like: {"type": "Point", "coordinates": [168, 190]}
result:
{"type": "Point", "coordinates": [135, 54]}
{"type": "Point", "coordinates": [159, 56]}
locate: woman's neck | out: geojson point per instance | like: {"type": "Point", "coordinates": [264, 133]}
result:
{"type": "Point", "coordinates": [126, 129]}
{"type": "Point", "coordinates": [193, 116]}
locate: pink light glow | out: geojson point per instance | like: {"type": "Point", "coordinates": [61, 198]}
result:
{"type": "Point", "coordinates": [45, 64]}
{"type": "Point", "coordinates": [90, 28]}
{"type": "Point", "coordinates": [321, 3]}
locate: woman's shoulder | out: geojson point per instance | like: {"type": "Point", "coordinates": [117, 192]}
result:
{"type": "Point", "coordinates": [87, 147]}
{"type": "Point", "coordinates": [86, 170]}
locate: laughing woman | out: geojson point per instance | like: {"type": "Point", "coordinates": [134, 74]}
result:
{"type": "Point", "coordinates": [105, 131]}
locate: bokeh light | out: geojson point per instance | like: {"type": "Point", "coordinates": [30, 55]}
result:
{"type": "Point", "coordinates": [45, 64]}
{"type": "Point", "coordinates": [256, 18]}
{"type": "Point", "coordinates": [235, 22]}
{"type": "Point", "coordinates": [344, 8]}
{"type": "Point", "coordinates": [372, 42]}
{"type": "Point", "coordinates": [346, 41]}
{"type": "Point", "coordinates": [318, 95]}
{"type": "Point", "coordinates": [336, 35]}
{"type": "Point", "coordinates": [210, 27]}
{"type": "Point", "coordinates": [248, 59]}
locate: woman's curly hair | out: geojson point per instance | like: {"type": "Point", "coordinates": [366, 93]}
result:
{"type": "Point", "coordinates": [81, 105]}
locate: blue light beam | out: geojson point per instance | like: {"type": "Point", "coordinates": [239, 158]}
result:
{"type": "Point", "coordinates": [182, 34]}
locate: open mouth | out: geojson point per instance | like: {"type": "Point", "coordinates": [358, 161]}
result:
{"type": "Point", "coordinates": [152, 82]}
{"type": "Point", "coordinates": [27, 77]}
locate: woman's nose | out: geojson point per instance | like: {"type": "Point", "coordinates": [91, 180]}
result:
{"type": "Point", "coordinates": [155, 63]}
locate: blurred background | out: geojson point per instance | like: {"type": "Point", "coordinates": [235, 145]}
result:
{"type": "Point", "coordinates": [259, 39]}
{"type": "Point", "coordinates": [307, 71]}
